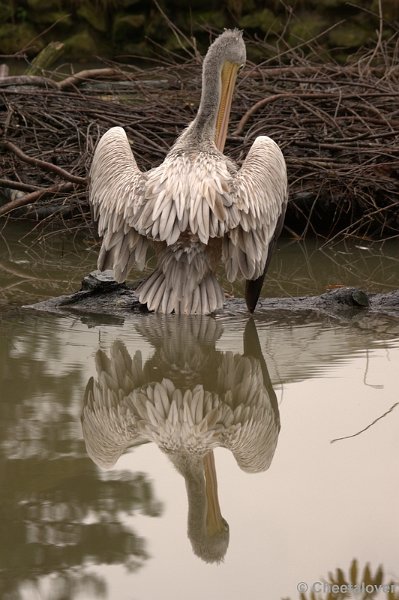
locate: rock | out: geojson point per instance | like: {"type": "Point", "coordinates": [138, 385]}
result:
{"type": "Point", "coordinates": [360, 298]}
{"type": "Point", "coordinates": [100, 281]}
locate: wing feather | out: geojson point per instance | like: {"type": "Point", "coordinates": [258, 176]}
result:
{"type": "Point", "coordinates": [116, 189]}
{"type": "Point", "coordinates": [188, 192]}
{"type": "Point", "coordinates": [260, 195]}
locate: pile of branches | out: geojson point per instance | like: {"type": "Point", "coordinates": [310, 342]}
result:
{"type": "Point", "coordinates": [338, 127]}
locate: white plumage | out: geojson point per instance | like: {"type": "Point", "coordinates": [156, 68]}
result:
{"type": "Point", "coordinates": [196, 209]}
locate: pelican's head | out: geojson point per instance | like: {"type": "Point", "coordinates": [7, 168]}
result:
{"type": "Point", "coordinates": [225, 55]}
{"type": "Point", "coordinates": [228, 46]}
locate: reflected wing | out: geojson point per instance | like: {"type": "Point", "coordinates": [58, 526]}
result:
{"type": "Point", "coordinates": [260, 195]}
{"type": "Point", "coordinates": [116, 188]}
{"type": "Point", "coordinates": [109, 421]}
{"type": "Point", "coordinates": [253, 432]}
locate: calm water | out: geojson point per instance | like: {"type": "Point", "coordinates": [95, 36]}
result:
{"type": "Point", "coordinates": [301, 415]}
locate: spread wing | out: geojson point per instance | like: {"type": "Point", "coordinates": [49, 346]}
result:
{"type": "Point", "coordinates": [116, 189]}
{"type": "Point", "coordinates": [260, 195]}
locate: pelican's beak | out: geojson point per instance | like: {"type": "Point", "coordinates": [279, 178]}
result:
{"type": "Point", "coordinates": [214, 519]}
{"type": "Point", "coordinates": [229, 76]}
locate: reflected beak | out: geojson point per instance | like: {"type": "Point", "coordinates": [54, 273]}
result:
{"type": "Point", "coordinates": [214, 520]}
{"type": "Point", "coordinates": [229, 76]}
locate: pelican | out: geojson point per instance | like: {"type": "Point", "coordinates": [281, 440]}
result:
{"type": "Point", "coordinates": [197, 209]}
{"type": "Point", "coordinates": [162, 401]}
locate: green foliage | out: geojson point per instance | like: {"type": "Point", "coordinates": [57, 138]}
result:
{"type": "Point", "coordinates": [21, 36]}
{"type": "Point", "coordinates": [350, 35]}
{"type": "Point", "coordinates": [127, 25]}
{"type": "Point", "coordinates": [96, 15]}
{"type": "Point", "coordinates": [40, 6]}
{"type": "Point", "coordinates": [6, 11]}
{"type": "Point", "coordinates": [50, 17]}
{"type": "Point", "coordinates": [265, 20]}
{"type": "Point", "coordinates": [211, 18]}
{"type": "Point", "coordinates": [114, 27]}
{"type": "Point", "coordinates": [390, 9]}
{"type": "Point", "coordinates": [21, 14]}
{"type": "Point", "coordinates": [81, 45]}
{"type": "Point", "coordinates": [306, 27]}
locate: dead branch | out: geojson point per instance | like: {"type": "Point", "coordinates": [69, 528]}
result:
{"type": "Point", "coordinates": [338, 127]}
{"type": "Point", "coordinates": [33, 197]}
{"type": "Point", "coordinates": [285, 95]}
{"type": "Point", "coordinates": [32, 80]}
{"type": "Point", "coordinates": [17, 185]}
{"type": "Point", "coordinates": [89, 74]}
{"type": "Point", "coordinates": [42, 164]}
{"type": "Point", "coordinates": [347, 437]}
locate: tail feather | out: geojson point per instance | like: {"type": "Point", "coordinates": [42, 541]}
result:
{"type": "Point", "coordinates": [180, 289]}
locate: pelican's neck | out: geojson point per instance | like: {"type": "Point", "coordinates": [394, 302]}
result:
{"type": "Point", "coordinates": [202, 129]}
{"type": "Point", "coordinates": [206, 528]}
{"type": "Point", "coordinates": [205, 121]}
{"type": "Point", "coordinates": [192, 469]}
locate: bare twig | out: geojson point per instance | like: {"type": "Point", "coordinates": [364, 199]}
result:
{"type": "Point", "coordinates": [33, 197]}
{"type": "Point", "coordinates": [87, 74]}
{"type": "Point", "coordinates": [42, 164]}
{"type": "Point", "coordinates": [347, 437]}
{"type": "Point", "coordinates": [18, 185]}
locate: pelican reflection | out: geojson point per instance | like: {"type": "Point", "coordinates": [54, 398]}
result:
{"type": "Point", "coordinates": [188, 398]}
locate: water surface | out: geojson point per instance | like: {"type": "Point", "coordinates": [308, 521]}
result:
{"type": "Point", "coordinates": [309, 487]}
